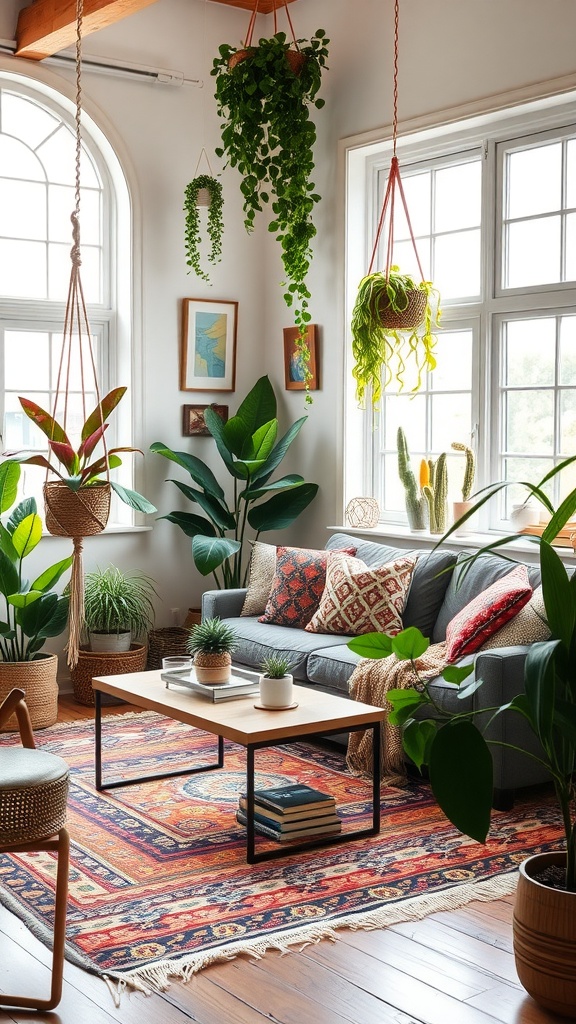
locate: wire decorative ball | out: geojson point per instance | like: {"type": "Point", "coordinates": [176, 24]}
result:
{"type": "Point", "coordinates": [363, 512]}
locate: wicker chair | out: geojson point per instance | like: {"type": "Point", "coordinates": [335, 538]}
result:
{"type": "Point", "coordinates": [33, 794]}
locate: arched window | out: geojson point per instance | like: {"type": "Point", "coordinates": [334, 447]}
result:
{"type": "Point", "coordinates": [37, 174]}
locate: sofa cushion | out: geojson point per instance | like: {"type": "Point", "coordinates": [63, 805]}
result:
{"type": "Point", "coordinates": [527, 627]}
{"type": "Point", "coordinates": [486, 613]}
{"type": "Point", "coordinates": [332, 667]}
{"type": "Point", "coordinates": [462, 589]}
{"type": "Point", "coordinates": [430, 580]}
{"type": "Point", "coordinates": [257, 640]}
{"type": "Point", "coordinates": [261, 576]}
{"type": "Point", "coordinates": [357, 599]}
{"type": "Point", "coordinates": [297, 586]}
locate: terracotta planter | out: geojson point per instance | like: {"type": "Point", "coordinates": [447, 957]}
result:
{"type": "Point", "coordinates": [212, 669]}
{"type": "Point", "coordinates": [38, 680]}
{"type": "Point", "coordinates": [459, 509]}
{"type": "Point", "coordinates": [545, 938]}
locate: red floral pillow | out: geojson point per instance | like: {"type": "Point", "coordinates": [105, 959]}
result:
{"type": "Point", "coordinates": [487, 613]}
{"type": "Point", "coordinates": [298, 585]}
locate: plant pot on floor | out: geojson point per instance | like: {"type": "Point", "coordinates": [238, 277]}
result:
{"type": "Point", "coordinates": [38, 680]}
{"type": "Point", "coordinates": [105, 663]}
{"type": "Point", "coordinates": [545, 937]}
{"type": "Point", "coordinates": [117, 643]}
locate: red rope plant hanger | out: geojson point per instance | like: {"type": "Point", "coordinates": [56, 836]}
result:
{"type": "Point", "coordinates": [393, 317]}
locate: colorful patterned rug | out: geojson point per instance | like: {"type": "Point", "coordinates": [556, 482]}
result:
{"type": "Point", "coordinates": [159, 883]}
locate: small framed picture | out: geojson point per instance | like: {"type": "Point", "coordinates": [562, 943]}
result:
{"type": "Point", "coordinates": [208, 350]}
{"type": "Point", "coordinates": [193, 423]}
{"type": "Point", "coordinates": [294, 366]}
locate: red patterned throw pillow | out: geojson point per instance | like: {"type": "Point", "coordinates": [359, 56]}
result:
{"type": "Point", "coordinates": [297, 586]}
{"type": "Point", "coordinates": [487, 613]}
{"type": "Point", "coordinates": [358, 600]}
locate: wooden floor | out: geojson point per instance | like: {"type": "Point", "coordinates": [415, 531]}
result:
{"type": "Point", "coordinates": [452, 968]}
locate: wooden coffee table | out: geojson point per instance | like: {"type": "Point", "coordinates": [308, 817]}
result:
{"type": "Point", "coordinates": [238, 720]}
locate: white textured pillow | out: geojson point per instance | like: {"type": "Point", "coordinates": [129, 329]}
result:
{"type": "Point", "coordinates": [527, 627]}
{"type": "Point", "coordinates": [262, 569]}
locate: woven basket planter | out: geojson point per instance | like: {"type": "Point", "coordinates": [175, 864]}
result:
{"type": "Point", "coordinates": [296, 61]}
{"type": "Point", "coordinates": [408, 318]}
{"type": "Point", "coordinates": [239, 56]}
{"type": "Point", "coordinates": [163, 643]}
{"type": "Point", "coordinates": [82, 513]}
{"type": "Point", "coordinates": [203, 197]}
{"type": "Point", "coordinates": [38, 680]}
{"type": "Point", "coordinates": [212, 669]}
{"type": "Point", "coordinates": [104, 663]}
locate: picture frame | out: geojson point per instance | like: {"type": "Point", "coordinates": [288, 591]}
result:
{"type": "Point", "coordinates": [208, 346]}
{"type": "Point", "coordinates": [294, 379]}
{"type": "Point", "coordinates": [193, 423]}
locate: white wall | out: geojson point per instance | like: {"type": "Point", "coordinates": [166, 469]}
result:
{"type": "Point", "coordinates": [451, 52]}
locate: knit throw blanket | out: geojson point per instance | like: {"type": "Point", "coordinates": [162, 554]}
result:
{"type": "Point", "coordinates": [370, 683]}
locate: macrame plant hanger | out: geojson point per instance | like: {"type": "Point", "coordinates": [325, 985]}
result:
{"type": "Point", "coordinates": [294, 57]}
{"type": "Point", "coordinates": [83, 512]}
{"type": "Point", "coordinates": [414, 312]}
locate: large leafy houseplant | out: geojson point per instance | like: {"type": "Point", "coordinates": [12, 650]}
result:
{"type": "Point", "coordinates": [451, 745]}
{"type": "Point", "coordinates": [80, 468]}
{"type": "Point", "coordinates": [203, 183]}
{"type": "Point", "coordinates": [251, 451]}
{"type": "Point", "coordinates": [267, 133]}
{"type": "Point", "coordinates": [31, 612]}
{"type": "Point", "coordinates": [384, 338]}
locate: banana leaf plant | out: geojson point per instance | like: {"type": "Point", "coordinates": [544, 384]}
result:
{"type": "Point", "coordinates": [250, 450]}
{"type": "Point", "coordinates": [450, 744]}
{"type": "Point", "coordinates": [30, 612]}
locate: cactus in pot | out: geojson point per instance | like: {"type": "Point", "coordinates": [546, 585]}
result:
{"type": "Point", "coordinates": [436, 493]}
{"type": "Point", "coordinates": [414, 502]}
{"type": "Point", "coordinates": [462, 509]}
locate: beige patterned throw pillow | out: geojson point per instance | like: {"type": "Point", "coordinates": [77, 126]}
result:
{"type": "Point", "coordinates": [358, 600]}
{"type": "Point", "coordinates": [525, 628]}
{"type": "Point", "coordinates": [262, 569]}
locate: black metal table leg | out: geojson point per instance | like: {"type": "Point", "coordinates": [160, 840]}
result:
{"type": "Point", "coordinates": [98, 738]}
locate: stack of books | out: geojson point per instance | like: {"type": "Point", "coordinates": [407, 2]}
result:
{"type": "Point", "coordinates": [291, 812]}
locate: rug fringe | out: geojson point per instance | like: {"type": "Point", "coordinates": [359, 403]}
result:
{"type": "Point", "coordinates": [157, 977]}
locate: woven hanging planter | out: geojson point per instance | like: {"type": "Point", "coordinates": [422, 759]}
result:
{"type": "Point", "coordinates": [203, 197]}
{"type": "Point", "coordinates": [405, 319]}
{"type": "Point", "coordinates": [296, 61]}
{"type": "Point", "coordinates": [38, 680]}
{"type": "Point", "coordinates": [239, 56]}
{"type": "Point", "coordinates": [82, 513]}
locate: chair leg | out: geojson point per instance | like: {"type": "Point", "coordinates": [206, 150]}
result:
{"type": "Point", "coordinates": [62, 846]}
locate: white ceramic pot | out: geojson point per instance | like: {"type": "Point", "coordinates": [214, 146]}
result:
{"type": "Point", "coordinates": [116, 642]}
{"type": "Point", "coordinates": [276, 693]}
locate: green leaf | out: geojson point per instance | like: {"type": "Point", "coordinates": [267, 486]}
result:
{"type": "Point", "coordinates": [102, 412]}
{"type": "Point", "coordinates": [198, 470]}
{"type": "Point", "coordinates": [371, 645]}
{"type": "Point", "coordinates": [218, 512]}
{"type": "Point", "coordinates": [417, 739]}
{"type": "Point", "coordinates": [47, 579]}
{"type": "Point", "coordinates": [6, 544]}
{"type": "Point", "coordinates": [404, 703]}
{"type": "Point", "coordinates": [281, 510]}
{"type": "Point", "coordinates": [9, 477]}
{"type": "Point", "coordinates": [190, 524]}
{"type": "Point", "coordinates": [258, 408]}
{"type": "Point", "coordinates": [259, 446]}
{"type": "Point", "coordinates": [9, 576]}
{"type": "Point", "coordinates": [557, 594]}
{"type": "Point", "coordinates": [540, 686]}
{"type": "Point", "coordinates": [210, 552]}
{"type": "Point", "coordinates": [457, 673]}
{"type": "Point", "coordinates": [45, 617]}
{"type": "Point", "coordinates": [461, 777]}
{"type": "Point", "coordinates": [23, 600]}
{"type": "Point", "coordinates": [278, 453]}
{"type": "Point", "coordinates": [409, 644]}
{"type": "Point", "coordinates": [133, 499]}
{"type": "Point", "coordinates": [27, 535]}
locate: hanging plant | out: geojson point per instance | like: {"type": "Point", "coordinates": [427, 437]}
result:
{"type": "Point", "coordinates": [267, 133]}
{"type": "Point", "coordinates": [203, 190]}
{"type": "Point", "coordinates": [393, 323]}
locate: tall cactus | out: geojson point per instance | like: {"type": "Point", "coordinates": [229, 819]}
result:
{"type": "Point", "coordinates": [469, 469]}
{"type": "Point", "coordinates": [414, 503]}
{"type": "Point", "coordinates": [436, 493]}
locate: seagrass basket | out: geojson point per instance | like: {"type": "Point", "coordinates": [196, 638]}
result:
{"type": "Point", "coordinates": [104, 663]}
{"type": "Point", "coordinates": [408, 318]}
{"type": "Point", "coordinates": [38, 680]}
{"type": "Point", "coordinates": [80, 513]}
{"type": "Point", "coordinates": [162, 643]}
{"type": "Point", "coordinates": [203, 197]}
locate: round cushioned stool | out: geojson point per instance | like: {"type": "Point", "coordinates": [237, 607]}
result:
{"type": "Point", "coordinates": [33, 794]}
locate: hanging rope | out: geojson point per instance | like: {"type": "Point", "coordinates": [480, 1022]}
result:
{"type": "Point", "coordinates": [394, 180]}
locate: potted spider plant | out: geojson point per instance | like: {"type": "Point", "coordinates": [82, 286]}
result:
{"type": "Point", "coordinates": [203, 191]}
{"type": "Point", "coordinates": [393, 324]}
{"type": "Point", "coordinates": [264, 94]}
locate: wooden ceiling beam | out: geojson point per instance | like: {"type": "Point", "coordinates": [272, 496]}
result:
{"type": "Point", "coordinates": [48, 26]}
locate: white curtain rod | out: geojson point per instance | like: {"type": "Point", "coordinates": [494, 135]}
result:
{"type": "Point", "coordinates": [117, 68]}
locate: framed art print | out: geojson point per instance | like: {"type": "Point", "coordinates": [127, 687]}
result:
{"type": "Point", "coordinates": [193, 423]}
{"type": "Point", "coordinates": [294, 370]}
{"type": "Point", "coordinates": [208, 351]}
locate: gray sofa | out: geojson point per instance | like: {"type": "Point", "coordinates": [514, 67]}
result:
{"type": "Point", "coordinates": [436, 594]}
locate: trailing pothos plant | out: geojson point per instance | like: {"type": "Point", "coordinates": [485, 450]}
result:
{"type": "Point", "coordinates": [267, 133]}
{"type": "Point", "coordinates": [381, 348]}
{"type": "Point", "coordinates": [79, 466]}
{"type": "Point", "coordinates": [214, 226]}
{"type": "Point", "coordinates": [251, 451]}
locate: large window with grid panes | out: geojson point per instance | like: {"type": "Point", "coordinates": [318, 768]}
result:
{"type": "Point", "coordinates": [493, 213]}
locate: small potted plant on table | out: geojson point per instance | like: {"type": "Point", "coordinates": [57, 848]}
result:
{"type": "Point", "coordinates": [276, 682]}
{"type": "Point", "coordinates": [212, 642]}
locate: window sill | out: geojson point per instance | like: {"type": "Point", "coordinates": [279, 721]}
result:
{"type": "Point", "coordinates": [109, 531]}
{"type": "Point", "coordinates": [527, 550]}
